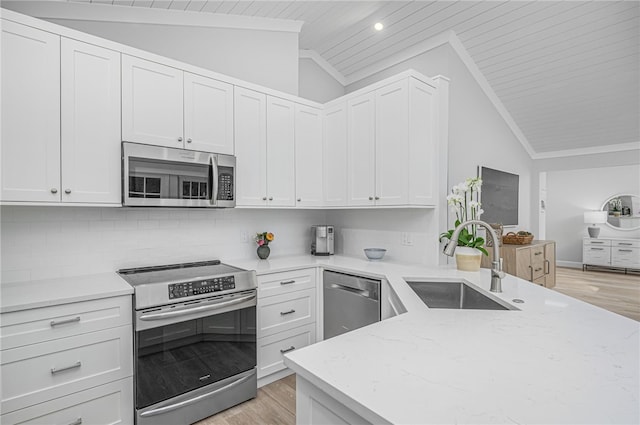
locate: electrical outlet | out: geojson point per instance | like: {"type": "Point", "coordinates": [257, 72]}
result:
{"type": "Point", "coordinates": [407, 239]}
{"type": "Point", "coordinates": [244, 237]}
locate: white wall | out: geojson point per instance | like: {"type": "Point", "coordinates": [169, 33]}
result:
{"type": "Point", "coordinates": [44, 242]}
{"type": "Point", "coordinates": [572, 192]}
{"type": "Point", "coordinates": [265, 57]}
{"type": "Point", "coordinates": [314, 83]}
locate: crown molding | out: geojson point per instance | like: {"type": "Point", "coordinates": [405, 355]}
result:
{"type": "Point", "coordinates": [589, 151]}
{"type": "Point", "coordinates": [143, 15]}
{"type": "Point", "coordinates": [322, 63]}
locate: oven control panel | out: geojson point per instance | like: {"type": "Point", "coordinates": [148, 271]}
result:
{"type": "Point", "coordinates": [188, 289]}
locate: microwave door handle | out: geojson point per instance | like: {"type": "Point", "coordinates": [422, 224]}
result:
{"type": "Point", "coordinates": [213, 177]}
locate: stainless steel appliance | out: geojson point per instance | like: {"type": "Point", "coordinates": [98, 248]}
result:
{"type": "Point", "coordinates": [195, 340]}
{"type": "Point", "coordinates": [350, 302]}
{"type": "Point", "coordinates": [322, 240]}
{"type": "Point", "coordinates": [156, 176]}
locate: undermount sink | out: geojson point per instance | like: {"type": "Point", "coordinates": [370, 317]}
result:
{"type": "Point", "coordinates": [455, 295]}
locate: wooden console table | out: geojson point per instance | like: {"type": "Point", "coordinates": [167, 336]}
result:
{"type": "Point", "coordinates": [535, 262]}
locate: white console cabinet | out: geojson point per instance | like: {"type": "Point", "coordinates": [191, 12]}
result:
{"type": "Point", "coordinates": [616, 253]}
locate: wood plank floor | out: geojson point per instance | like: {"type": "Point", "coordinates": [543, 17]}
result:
{"type": "Point", "coordinates": [276, 402]}
{"type": "Point", "coordinates": [274, 405]}
{"type": "Point", "coordinates": [611, 290]}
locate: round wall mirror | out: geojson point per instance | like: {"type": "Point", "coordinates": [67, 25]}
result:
{"type": "Point", "coordinates": [623, 211]}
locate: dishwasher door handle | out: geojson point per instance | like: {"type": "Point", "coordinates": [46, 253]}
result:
{"type": "Point", "coordinates": [361, 292]}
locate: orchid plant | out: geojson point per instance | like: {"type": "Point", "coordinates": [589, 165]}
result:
{"type": "Point", "coordinates": [464, 200]}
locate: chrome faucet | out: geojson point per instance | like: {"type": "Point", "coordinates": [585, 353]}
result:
{"type": "Point", "coordinates": [496, 266]}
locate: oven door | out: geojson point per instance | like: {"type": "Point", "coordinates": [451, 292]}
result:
{"type": "Point", "coordinates": [182, 348]}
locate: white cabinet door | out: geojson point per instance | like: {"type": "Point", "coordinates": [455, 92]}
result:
{"type": "Point", "coordinates": [335, 156]}
{"type": "Point", "coordinates": [90, 123]}
{"type": "Point", "coordinates": [151, 103]}
{"type": "Point", "coordinates": [280, 152]}
{"type": "Point", "coordinates": [30, 114]}
{"type": "Point", "coordinates": [308, 150]}
{"type": "Point", "coordinates": [423, 149]}
{"type": "Point", "coordinates": [250, 127]}
{"type": "Point", "coordinates": [361, 150]}
{"type": "Point", "coordinates": [208, 114]}
{"type": "Point", "coordinates": [392, 144]}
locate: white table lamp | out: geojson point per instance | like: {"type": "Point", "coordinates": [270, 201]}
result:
{"type": "Point", "coordinates": [594, 218]}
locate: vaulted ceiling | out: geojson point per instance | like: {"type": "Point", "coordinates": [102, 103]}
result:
{"type": "Point", "coordinates": [568, 72]}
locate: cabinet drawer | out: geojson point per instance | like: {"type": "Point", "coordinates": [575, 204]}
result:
{"type": "Point", "coordinates": [281, 283]}
{"type": "Point", "coordinates": [40, 372]}
{"type": "Point", "coordinates": [626, 244]}
{"type": "Point", "coordinates": [596, 242]}
{"type": "Point", "coordinates": [271, 349]}
{"type": "Point", "coordinates": [111, 403]}
{"type": "Point", "coordinates": [625, 257]}
{"type": "Point", "coordinates": [287, 311]}
{"type": "Point", "coordinates": [599, 256]}
{"type": "Point", "coordinates": [33, 326]}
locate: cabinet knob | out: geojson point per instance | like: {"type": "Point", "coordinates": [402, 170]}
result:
{"type": "Point", "coordinates": [54, 190]}
{"type": "Point", "coordinates": [67, 191]}
{"type": "Point", "coordinates": [371, 198]}
{"type": "Point", "coordinates": [271, 198]}
{"type": "Point", "coordinates": [299, 199]}
{"type": "Point", "coordinates": [189, 140]}
{"type": "Point", "coordinates": [264, 198]}
{"type": "Point", "coordinates": [179, 139]}
{"type": "Point", "coordinates": [377, 197]}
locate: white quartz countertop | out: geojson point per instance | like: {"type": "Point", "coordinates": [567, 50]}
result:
{"type": "Point", "coordinates": [15, 296]}
{"type": "Point", "coordinates": [555, 360]}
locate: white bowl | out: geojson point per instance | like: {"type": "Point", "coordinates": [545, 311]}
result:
{"type": "Point", "coordinates": [375, 253]}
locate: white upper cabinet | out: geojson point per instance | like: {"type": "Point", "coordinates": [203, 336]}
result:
{"type": "Point", "coordinates": [250, 111]}
{"type": "Point", "coordinates": [335, 155]}
{"type": "Point", "coordinates": [423, 147]}
{"type": "Point", "coordinates": [165, 106]}
{"type": "Point", "coordinates": [208, 114]}
{"type": "Point", "coordinates": [90, 123]}
{"type": "Point", "coordinates": [30, 114]}
{"type": "Point", "coordinates": [361, 150]}
{"type": "Point", "coordinates": [392, 144]}
{"type": "Point", "coordinates": [309, 161]}
{"type": "Point", "coordinates": [151, 103]}
{"type": "Point", "coordinates": [280, 152]}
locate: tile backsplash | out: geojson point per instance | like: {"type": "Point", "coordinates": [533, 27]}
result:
{"type": "Point", "coordinates": [46, 242]}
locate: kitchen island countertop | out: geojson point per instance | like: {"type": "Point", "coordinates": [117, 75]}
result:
{"type": "Point", "coordinates": [555, 360]}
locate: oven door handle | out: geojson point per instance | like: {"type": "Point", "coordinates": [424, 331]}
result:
{"type": "Point", "coordinates": [164, 315]}
{"type": "Point", "coordinates": [184, 403]}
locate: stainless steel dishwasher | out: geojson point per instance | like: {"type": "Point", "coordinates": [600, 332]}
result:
{"type": "Point", "coordinates": [350, 302]}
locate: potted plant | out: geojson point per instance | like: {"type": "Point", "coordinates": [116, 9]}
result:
{"type": "Point", "coordinates": [464, 201]}
{"type": "Point", "coordinates": [263, 239]}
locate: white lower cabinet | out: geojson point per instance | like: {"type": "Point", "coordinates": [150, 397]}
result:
{"type": "Point", "coordinates": [287, 304]}
{"type": "Point", "coordinates": [106, 404]}
{"type": "Point", "coordinates": [619, 253]}
{"type": "Point", "coordinates": [70, 362]}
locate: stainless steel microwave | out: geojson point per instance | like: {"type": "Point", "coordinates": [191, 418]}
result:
{"type": "Point", "coordinates": [157, 176]}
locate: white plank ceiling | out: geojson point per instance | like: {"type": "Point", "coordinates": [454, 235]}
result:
{"type": "Point", "coordinates": [568, 72]}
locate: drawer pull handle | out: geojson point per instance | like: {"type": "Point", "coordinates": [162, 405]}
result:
{"type": "Point", "coordinates": [286, 350]}
{"type": "Point", "coordinates": [284, 313]}
{"type": "Point", "coordinates": [76, 422]}
{"type": "Point", "coordinates": [62, 369]}
{"type": "Point", "coordinates": [54, 323]}
{"type": "Point", "coordinates": [204, 378]}
{"type": "Point", "coordinates": [287, 282]}
{"type": "Point", "coordinates": [597, 249]}
{"type": "Point", "coordinates": [598, 243]}
{"type": "Point", "coordinates": [547, 263]}
{"type": "Point", "coordinates": [538, 269]}
{"type": "Point", "coordinates": [625, 243]}
{"type": "Point", "coordinates": [538, 253]}
{"type": "Point", "coordinates": [531, 268]}
{"type": "Point", "coordinates": [625, 250]}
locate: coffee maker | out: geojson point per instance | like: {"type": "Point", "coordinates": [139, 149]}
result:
{"type": "Point", "coordinates": [322, 240]}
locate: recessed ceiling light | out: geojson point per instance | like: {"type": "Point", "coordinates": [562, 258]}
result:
{"type": "Point", "coordinates": [378, 26]}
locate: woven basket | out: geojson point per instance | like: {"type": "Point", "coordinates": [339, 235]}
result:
{"type": "Point", "coordinates": [513, 239]}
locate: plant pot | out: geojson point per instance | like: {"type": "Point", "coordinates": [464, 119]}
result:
{"type": "Point", "coordinates": [263, 252]}
{"type": "Point", "coordinates": [468, 259]}
{"type": "Point", "coordinates": [616, 213]}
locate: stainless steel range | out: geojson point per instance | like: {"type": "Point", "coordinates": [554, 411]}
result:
{"type": "Point", "coordinates": [195, 340]}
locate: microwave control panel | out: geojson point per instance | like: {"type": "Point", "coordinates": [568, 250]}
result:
{"type": "Point", "coordinates": [198, 287]}
{"type": "Point", "coordinates": [225, 184]}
